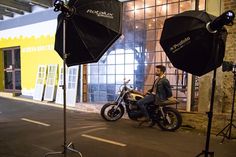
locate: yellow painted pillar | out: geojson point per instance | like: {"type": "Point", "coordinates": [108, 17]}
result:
{"type": "Point", "coordinates": [1, 71]}
{"type": "Point", "coordinates": [213, 7]}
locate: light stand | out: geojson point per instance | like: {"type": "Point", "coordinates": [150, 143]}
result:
{"type": "Point", "coordinates": [210, 115]}
{"type": "Point", "coordinates": [228, 127]}
{"type": "Point", "coordinates": [59, 5]}
{"type": "Point", "coordinates": [224, 19]}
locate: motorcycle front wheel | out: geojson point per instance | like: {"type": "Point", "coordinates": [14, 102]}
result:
{"type": "Point", "coordinates": [112, 112]}
{"type": "Point", "coordinates": [171, 121]}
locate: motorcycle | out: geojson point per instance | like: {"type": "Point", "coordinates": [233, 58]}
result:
{"type": "Point", "coordinates": [167, 118]}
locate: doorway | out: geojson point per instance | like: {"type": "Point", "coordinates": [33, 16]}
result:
{"type": "Point", "coordinates": [12, 70]}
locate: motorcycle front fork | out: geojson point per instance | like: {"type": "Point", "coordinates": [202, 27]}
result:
{"type": "Point", "coordinates": [165, 115]}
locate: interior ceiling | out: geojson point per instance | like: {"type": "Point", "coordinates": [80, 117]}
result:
{"type": "Point", "coordinates": [11, 8]}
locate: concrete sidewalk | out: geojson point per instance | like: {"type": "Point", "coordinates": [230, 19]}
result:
{"type": "Point", "coordinates": [85, 107]}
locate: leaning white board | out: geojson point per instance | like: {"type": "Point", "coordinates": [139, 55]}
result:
{"type": "Point", "coordinates": [72, 74]}
{"type": "Point", "coordinates": [40, 81]}
{"type": "Point", "coordinates": [49, 94]}
{"type": "Point", "coordinates": [59, 95]}
{"type": "Point", "coordinates": [72, 84]}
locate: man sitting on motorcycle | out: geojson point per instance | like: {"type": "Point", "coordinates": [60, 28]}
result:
{"type": "Point", "coordinates": [160, 91]}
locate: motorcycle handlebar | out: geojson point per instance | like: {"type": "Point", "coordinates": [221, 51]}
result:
{"type": "Point", "coordinates": [224, 19]}
{"type": "Point", "coordinates": [126, 82]}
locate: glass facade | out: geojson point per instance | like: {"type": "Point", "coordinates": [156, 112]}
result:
{"type": "Point", "coordinates": [136, 53]}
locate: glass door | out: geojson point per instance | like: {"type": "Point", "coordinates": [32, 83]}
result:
{"type": "Point", "coordinates": [12, 70]}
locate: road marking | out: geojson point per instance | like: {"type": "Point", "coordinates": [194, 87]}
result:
{"type": "Point", "coordinates": [104, 140]}
{"type": "Point", "coordinates": [94, 130]}
{"type": "Point", "coordinates": [43, 148]}
{"type": "Point", "coordinates": [35, 122]}
{"type": "Point", "coordinates": [90, 126]}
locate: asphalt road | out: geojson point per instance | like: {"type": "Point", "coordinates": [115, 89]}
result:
{"type": "Point", "coordinates": [32, 130]}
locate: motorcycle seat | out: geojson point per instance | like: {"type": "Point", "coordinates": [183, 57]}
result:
{"type": "Point", "coordinates": [169, 101]}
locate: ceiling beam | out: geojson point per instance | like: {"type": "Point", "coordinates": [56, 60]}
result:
{"type": "Point", "coordinates": [6, 13]}
{"type": "Point", "coordinates": [12, 4]}
{"type": "Point", "coordinates": [15, 11]}
{"type": "Point", "coordinates": [43, 3]}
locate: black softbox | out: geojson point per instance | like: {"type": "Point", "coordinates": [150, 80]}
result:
{"type": "Point", "coordinates": [92, 26]}
{"type": "Point", "coordinates": [190, 46]}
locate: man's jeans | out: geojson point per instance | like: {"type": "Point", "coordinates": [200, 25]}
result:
{"type": "Point", "coordinates": [142, 103]}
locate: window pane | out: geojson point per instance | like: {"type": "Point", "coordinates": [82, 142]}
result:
{"type": "Point", "coordinates": [17, 58]}
{"type": "Point", "coordinates": [120, 69]}
{"type": "Point", "coordinates": [7, 59]}
{"type": "Point", "coordinates": [160, 22]}
{"type": "Point", "coordinates": [150, 12]}
{"type": "Point", "coordinates": [111, 79]}
{"type": "Point", "coordinates": [151, 35]}
{"type": "Point", "coordinates": [150, 23]}
{"type": "Point", "coordinates": [149, 3]}
{"type": "Point", "coordinates": [139, 4]}
{"type": "Point", "coordinates": [138, 51]}
{"type": "Point", "coordinates": [173, 9]}
{"type": "Point", "coordinates": [129, 5]}
{"type": "Point", "coordinates": [139, 14]}
{"type": "Point", "coordinates": [184, 6]}
{"type": "Point", "coordinates": [18, 80]}
{"type": "Point", "coordinates": [159, 2]}
{"type": "Point", "coordinates": [161, 10]}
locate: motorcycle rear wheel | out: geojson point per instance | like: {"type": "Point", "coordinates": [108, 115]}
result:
{"type": "Point", "coordinates": [172, 120]}
{"type": "Point", "coordinates": [112, 112]}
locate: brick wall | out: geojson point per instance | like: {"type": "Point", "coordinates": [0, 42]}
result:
{"type": "Point", "coordinates": [224, 80]}
{"type": "Point", "coordinates": [230, 55]}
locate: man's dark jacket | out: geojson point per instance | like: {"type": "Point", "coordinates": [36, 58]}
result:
{"type": "Point", "coordinates": [163, 89]}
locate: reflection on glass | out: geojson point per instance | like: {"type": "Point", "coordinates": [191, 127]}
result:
{"type": "Point", "coordinates": [139, 14]}
{"type": "Point", "coordinates": [7, 59]}
{"type": "Point", "coordinates": [8, 80]}
{"type": "Point", "coordinates": [160, 22]}
{"type": "Point", "coordinates": [129, 15]}
{"type": "Point", "coordinates": [17, 58]}
{"type": "Point", "coordinates": [161, 10]}
{"type": "Point", "coordinates": [184, 6]}
{"type": "Point", "coordinates": [151, 35]}
{"type": "Point", "coordinates": [159, 2]}
{"type": "Point", "coordinates": [149, 3]}
{"type": "Point", "coordinates": [150, 23]}
{"type": "Point", "coordinates": [172, 8]}
{"type": "Point", "coordinates": [129, 5]}
{"type": "Point", "coordinates": [139, 4]}
{"type": "Point", "coordinates": [111, 69]}
{"type": "Point", "coordinates": [202, 4]}
{"type": "Point", "coordinates": [150, 12]}
{"type": "Point", "coordinates": [171, 1]}
{"type": "Point", "coordinates": [18, 80]}
{"type": "Point", "coordinates": [150, 46]}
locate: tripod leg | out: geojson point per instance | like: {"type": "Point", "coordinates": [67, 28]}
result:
{"type": "Point", "coordinates": [71, 148]}
{"type": "Point", "coordinates": [222, 131]}
{"type": "Point", "coordinates": [202, 153]}
{"type": "Point", "coordinates": [206, 154]}
{"type": "Point", "coordinates": [225, 136]}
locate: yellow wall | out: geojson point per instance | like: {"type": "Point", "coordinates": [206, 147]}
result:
{"type": "Point", "coordinates": [213, 7]}
{"type": "Point", "coordinates": [34, 51]}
